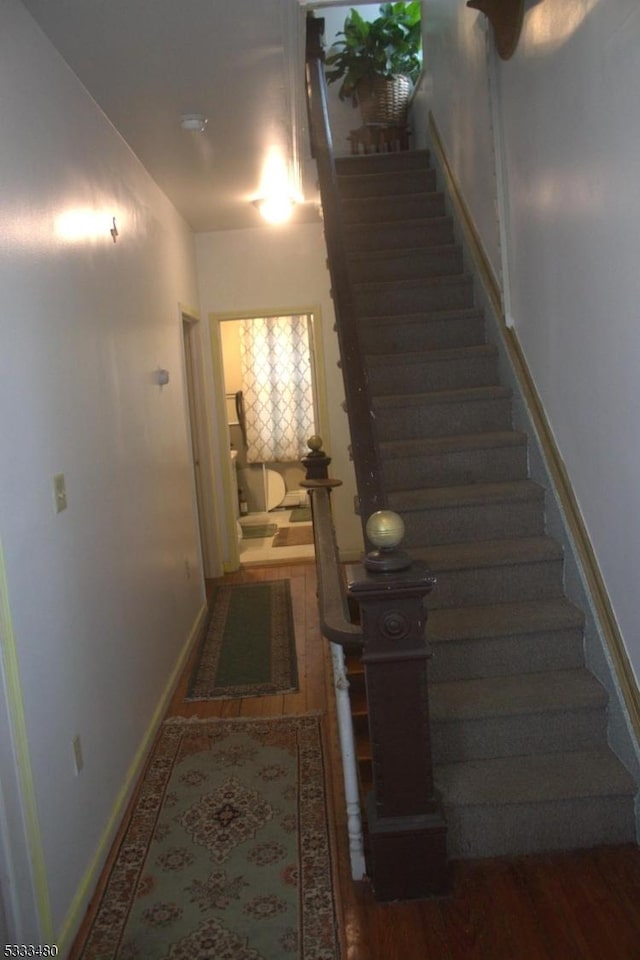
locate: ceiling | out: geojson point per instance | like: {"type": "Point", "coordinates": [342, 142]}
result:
{"type": "Point", "coordinates": [240, 64]}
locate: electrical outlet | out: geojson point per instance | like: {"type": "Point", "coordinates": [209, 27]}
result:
{"type": "Point", "coordinates": [59, 493]}
{"type": "Point", "coordinates": [78, 761]}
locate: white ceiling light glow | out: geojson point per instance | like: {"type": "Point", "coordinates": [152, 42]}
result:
{"type": "Point", "coordinates": [276, 200]}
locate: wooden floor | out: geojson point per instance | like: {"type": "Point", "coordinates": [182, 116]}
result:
{"type": "Point", "coordinates": [560, 907]}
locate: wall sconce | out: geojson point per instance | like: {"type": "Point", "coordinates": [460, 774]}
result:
{"type": "Point", "coordinates": [275, 209]}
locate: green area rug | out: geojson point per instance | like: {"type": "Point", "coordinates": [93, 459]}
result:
{"type": "Point", "coordinates": [226, 855]}
{"type": "Point", "coordinates": [293, 537]}
{"type": "Point", "coordinates": [258, 531]}
{"type": "Point", "coordinates": [248, 648]}
{"type": "Point", "coordinates": [300, 515]}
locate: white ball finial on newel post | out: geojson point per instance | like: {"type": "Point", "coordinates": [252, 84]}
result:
{"type": "Point", "coordinates": [385, 530]}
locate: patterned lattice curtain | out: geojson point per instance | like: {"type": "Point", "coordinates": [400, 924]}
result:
{"type": "Point", "coordinates": [277, 387]}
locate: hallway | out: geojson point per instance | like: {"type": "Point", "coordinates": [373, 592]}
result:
{"type": "Point", "coordinates": [576, 906]}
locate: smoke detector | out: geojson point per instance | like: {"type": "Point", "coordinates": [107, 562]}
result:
{"type": "Point", "coordinates": [193, 121]}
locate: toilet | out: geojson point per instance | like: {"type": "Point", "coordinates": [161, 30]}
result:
{"type": "Point", "coordinates": [275, 489]}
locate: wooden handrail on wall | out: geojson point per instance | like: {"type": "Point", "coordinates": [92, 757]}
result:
{"type": "Point", "coordinates": [364, 448]}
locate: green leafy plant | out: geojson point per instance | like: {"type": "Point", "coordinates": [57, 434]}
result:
{"type": "Point", "coordinates": [387, 47]}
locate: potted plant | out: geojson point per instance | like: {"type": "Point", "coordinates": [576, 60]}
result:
{"type": "Point", "coordinates": [378, 61]}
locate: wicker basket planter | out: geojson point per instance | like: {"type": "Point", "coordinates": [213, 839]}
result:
{"type": "Point", "coordinates": [384, 101]}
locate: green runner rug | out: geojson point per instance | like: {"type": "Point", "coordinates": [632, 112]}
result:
{"type": "Point", "coordinates": [248, 647]}
{"type": "Point", "coordinates": [300, 515]}
{"type": "Point", "coordinates": [226, 855]}
{"type": "Point", "coordinates": [258, 531]}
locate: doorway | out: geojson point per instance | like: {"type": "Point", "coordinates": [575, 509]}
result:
{"type": "Point", "coordinates": [266, 492]}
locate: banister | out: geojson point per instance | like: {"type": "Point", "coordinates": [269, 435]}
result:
{"type": "Point", "coordinates": [407, 829]}
{"type": "Point", "coordinates": [358, 404]}
{"type": "Point", "coordinates": [332, 600]}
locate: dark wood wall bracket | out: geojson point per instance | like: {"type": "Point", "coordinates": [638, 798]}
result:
{"type": "Point", "coordinates": [505, 17]}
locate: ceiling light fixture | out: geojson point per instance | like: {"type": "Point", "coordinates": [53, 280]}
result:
{"type": "Point", "coordinates": [193, 121]}
{"type": "Point", "coordinates": [277, 208]}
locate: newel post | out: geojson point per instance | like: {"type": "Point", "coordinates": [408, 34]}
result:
{"type": "Point", "coordinates": [407, 829]}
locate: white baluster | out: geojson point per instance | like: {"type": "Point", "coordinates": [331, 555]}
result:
{"type": "Point", "coordinates": [349, 769]}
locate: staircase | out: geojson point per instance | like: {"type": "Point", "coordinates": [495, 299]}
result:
{"type": "Point", "coordinates": [519, 724]}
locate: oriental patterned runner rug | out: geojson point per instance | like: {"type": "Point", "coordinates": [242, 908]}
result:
{"type": "Point", "coordinates": [226, 855]}
{"type": "Point", "coordinates": [248, 648]}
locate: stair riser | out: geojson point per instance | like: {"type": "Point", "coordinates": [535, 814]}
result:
{"type": "Point", "coordinates": [433, 261]}
{"type": "Point", "coordinates": [514, 735]}
{"type": "Point", "coordinates": [403, 298]}
{"type": "Point", "coordinates": [461, 466]}
{"type": "Point", "coordinates": [393, 378]}
{"type": "Point", "coordinates": [385, 209]}
{"type": "Point", "coordinates": [387, 184]}
{"type": "Point", "coordinates": [383, 162]}
{"type": "Point", "coordinates": [442, 419]}
{"type": "Point", "coordinates": [506, 655]}
{"type": "Point", "coordinates": [387, 236]}
{"type": "Point", "coordinates": [456, 524]}
{"type": "Point", "coordinates": [395, 333]}
{"type": "Point", "coordinates": [508, 584]}
{"type": "Point", "coordinates": [517, 829]}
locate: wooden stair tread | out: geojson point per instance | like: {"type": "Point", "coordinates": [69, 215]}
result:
{"type": "Point", "coordinates": [534, 778]}
{"type": "Point", "coordinates": [469, 494]}
{"type": "Point", "coordinates": [433, 355]}
{"type": "Point", "coordinates": [529, 693]}
{"type": "Point", "coordinates": [489, 553]}
{"type": "Point", "coordinates": [448, 444]}
{"type": "Point", "coordinates": [463, 395]}
{"type": "Point", "coordinates": [502, 619]}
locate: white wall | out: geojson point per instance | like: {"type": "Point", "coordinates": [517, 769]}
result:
{"type": "Point", "coordinates": [454, 87]}
{"type": "Point", "coordinates": [100, 602]}
{"type": "Point", "coordinates": [284, 268]}
{"type": "Point", "coordinates": [572, 150]}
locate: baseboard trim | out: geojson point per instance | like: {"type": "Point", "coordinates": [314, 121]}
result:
{"type": "Point", "coordinates": [88, 883]}
{"type": "Point", "coordinates": [577, 530]}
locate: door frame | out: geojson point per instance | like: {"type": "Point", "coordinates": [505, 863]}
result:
{"type": "Point", "coordinates": [225, 506]}
{"type": "Point", "coordinates": [199, 436]}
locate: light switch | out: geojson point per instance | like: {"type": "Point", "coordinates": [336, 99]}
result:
{"type": "Point", "coordinates": [59, 493]}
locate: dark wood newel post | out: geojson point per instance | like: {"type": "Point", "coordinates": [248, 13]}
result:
{"type": "Point", "coordinates": [407, 829]}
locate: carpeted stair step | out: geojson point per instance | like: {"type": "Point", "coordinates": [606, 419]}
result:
{"type": "Point", "coordinates": [371, 163]}
{"type": "Point", "coordinates": [417, 206]}
{"type": "Point", "coordinates": [421, 331]}
{"type": "Point", "coordinates": [412, 296]}
{"type": "Point", "coordinates": [493, 571]}
{"type": "Point", "coordinates": [529, 713]}
{"type": "Point", "coordinates": [449, 369]}
{"type": "Point", "coordinates": [443, 413]}
{"type": "Point", "coordinates": [441, 461]}
{"type": "Point", "coordinates": [434, 260]}
{"type": "Point", "coordinates": [398, 234]}
{"type": "Point", "coordinates": [505, 638]}
{"type": "Point", "coordinates": [510, 806]}
{"type": "Point", "coordinates": [476, 511]}
{"type": "Point", "coordinates": [387, 183]}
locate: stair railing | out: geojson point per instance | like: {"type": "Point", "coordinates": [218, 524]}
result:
{"type": "Point", "coordinates": [406, 826]}
{"type": "Point", "coordinates": [336, 626]}
{"type": "Point", "coordinates": [364, 449]}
